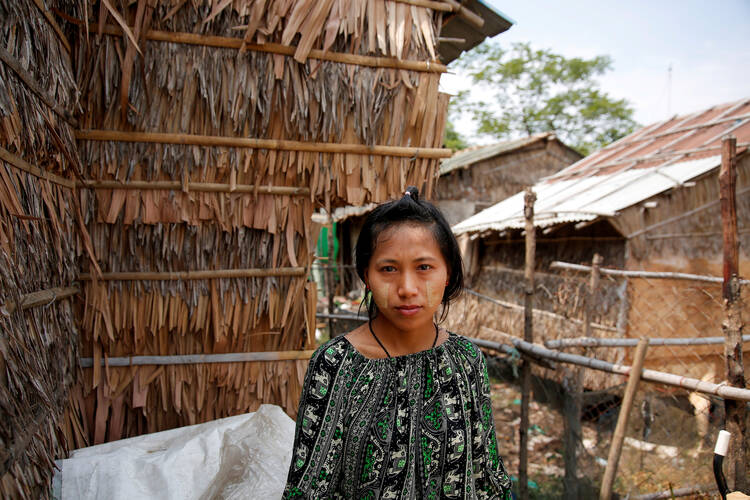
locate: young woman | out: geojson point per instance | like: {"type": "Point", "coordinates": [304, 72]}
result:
{"type": "Point", "coordinates": [399, 408]}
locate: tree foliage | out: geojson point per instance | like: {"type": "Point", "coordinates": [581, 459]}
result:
{"type": "Point", "coordinates": [524, 91]}
{"type": "Point", "coordinates": [452, 138]}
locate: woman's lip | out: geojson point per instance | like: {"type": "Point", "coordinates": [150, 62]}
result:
{"type": "Point", "coordinates": [408, 310]}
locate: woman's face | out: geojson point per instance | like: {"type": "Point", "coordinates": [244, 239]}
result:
{"type": "Point", "coordinates": [407, 275]}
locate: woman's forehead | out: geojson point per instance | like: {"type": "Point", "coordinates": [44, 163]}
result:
{"type": "Point", "coordinates": [407, 241]}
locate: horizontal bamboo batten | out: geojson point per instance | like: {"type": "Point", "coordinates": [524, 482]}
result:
{"type": "Point", "coordinates": [27, 167]}
{"type": "Point", "coordinates": [224, 42]}
{"type": "Point", "coordinates": [196, 359]}
{"type": "Point", "coordinates": [252, 143]}
{"type": "Point", "coordinates": [41, 298]}
{"type": "Point", "coordinates": [643, 274]}
{"type": "Point", "coordinates": [198, 275]}
{"type": "Point", "coordinates": [691, 384]}
{"type": "Point", "coordinates": [597, 342]}
{"type": "Point", "coordinates": [200, 187]}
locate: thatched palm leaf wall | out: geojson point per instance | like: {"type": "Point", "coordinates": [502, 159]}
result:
{"type": "Point", "coordinates": [38, 240]}
{"type": "Point", "coordinates": [177, 110]}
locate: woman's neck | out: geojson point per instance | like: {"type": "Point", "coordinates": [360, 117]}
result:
{"type": "Point", "coordinates": [403, 341]}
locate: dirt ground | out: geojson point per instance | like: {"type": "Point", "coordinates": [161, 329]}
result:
{"type": "Point", "coordinates": [639, 471]}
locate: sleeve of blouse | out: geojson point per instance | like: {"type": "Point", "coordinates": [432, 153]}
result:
{"type": "Point", "coordinates": [491, 476]}
{"type": "Point", "coordinates": [308, 471]}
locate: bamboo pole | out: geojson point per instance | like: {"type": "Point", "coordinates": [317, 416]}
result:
{"type": "Point", "coordinates": [198, 359]}
{"type": "Point", "coordinates": [541, 312]}
{"type": "Point", "coordinates": [253, 143]}
{"type": "Point", "coordinates": [199, 275]}
{"type": "Point", "coordinates": [512, 350]}
{"type": "Point", "coordinates": [223, 42]}
{"type": "Point", "coordinates": [683, 215]}
{"type": "Point", "coordinates": [353, 317]}
{"type": "Point", "coordinates": [27, 167]}
{"type": "Point", "coordinates": [467, 15]}
{"type": "Point", "coordinates": [204, 187]}
{"type": "Point", "coordinates": [622, 421]}
{"type": "Point", "coordinates": [691, 384]}
{"type": "Point", "coordinates": [51, 20]}
{"type": "Point", "coordinates": [528, 335]}
{"type": "Point", "coordinates": [736, 414]}
{"type": "Point", "coordinates": [440, 6]}
{"type": "Point", "coordinates": [596, 342]}
{"type": "Point", "coordinates": [642, 274]}
{"type": "Point", "coordinates": [37, 89]}
{"type": "Point", "coordinates": [679, 492]}
{"type": "Point", "coordinates": [36, 299]}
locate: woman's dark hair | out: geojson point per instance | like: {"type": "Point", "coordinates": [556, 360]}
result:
{"type": "Point", "coordinates": [410, 210]}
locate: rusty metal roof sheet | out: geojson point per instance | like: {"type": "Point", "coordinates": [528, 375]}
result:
{"type": "Point", "coordinates": [645, 163]}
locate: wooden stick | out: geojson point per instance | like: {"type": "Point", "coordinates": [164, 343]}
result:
{"type": "Point", "coordinates": [41, 298]}
{"type": "Point", "coordinates": [443, 7]}
{"type": "Point", "coordinates": [596, 342]}
{"type": "Point", "coordinates": [679, 492]}
{"type": "Point", "coordinates": [528, 335]}
{"type": "Point", "coordinates": [641, 274]}
{"type": "Point", "coordinates": [689, 213]}
{"type": "Point", "coordinates": [669, 236]}
{"type": "Point", "coordinates": [470, 17]}
{"type": "Point", "coordinates": [516, 307]}
{"type": "Point", "coordinates": [513, 351]}
{"type": "Point", "coordinates": [27, 167]}
{"type": "Point", "coordinates": [205, 187]}
{"type": "Point", "coordinates": [32, 85]}
{"type": "Point", "coordinates": [725, 391]}
{"type": "Point", "coordinates": [453, 40]}
{"type": "Point", "coordinates": [197, 359]}
{"type": "Point", "coordinates": [736, 414]}
{"type": "Point", "coordinates": [622, 421]}
{"type": "Point", "coordinates": [273, 144]}
{"type": "Point", "coordinates": [276, 48]}
{"type": "Point", "coordinates": [199, 275]}
{"type": "Point", "coordinates": [53, 23]}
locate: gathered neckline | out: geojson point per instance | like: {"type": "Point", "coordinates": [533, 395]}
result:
{"type": "Point", "coordinates": [425, 352]}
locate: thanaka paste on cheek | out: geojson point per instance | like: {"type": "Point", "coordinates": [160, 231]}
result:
{"type": "Point", "coordinates": [380, 294]}
{"type": "Point", "coordinates": [433, 298]}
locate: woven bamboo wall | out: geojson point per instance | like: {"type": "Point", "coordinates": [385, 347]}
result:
{"type": "Point", "coordinates": [38, 227]}
{"type": "Point", "coordinates": [252, 98]}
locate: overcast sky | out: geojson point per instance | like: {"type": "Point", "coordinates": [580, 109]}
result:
{"type": "Point", "coordinates": [706, 42]}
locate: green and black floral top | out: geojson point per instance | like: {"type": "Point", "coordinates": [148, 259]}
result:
{"type": "Point", "coordinates": [413, 426]}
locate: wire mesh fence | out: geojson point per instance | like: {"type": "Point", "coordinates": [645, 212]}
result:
{"type": "Point", "coordinates": [668, 443]}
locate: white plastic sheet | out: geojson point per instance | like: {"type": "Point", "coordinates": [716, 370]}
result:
{"type": "Point", "coordinates": [246, 456]}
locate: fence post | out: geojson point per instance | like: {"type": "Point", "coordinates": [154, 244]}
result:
{"type": "Point", "coordinates": [528, 335]}
{"type": "Point", "coordinates": [736, 412]}
{"type": "Point", "coordinates": [573, 400]}
{"type": "Point", "coordinates": [622, 421]}
{"type": "Point", "coordinates": [329, 266]}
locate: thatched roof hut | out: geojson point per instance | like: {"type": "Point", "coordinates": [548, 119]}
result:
{"type": "Point", "coordinates": [164, 159]}
{"type": "Point", "coordinates": [39, 219]}
{"type": "Point", "coordinates": [648, 202]}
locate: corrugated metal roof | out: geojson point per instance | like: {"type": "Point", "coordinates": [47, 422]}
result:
{"type": "Point", "coordinates": [467, 157]}
{"type": "Point", "coordinates": [645, 163]}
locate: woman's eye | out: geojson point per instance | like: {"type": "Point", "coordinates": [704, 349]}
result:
{"type": "Point", "coordinates": [387, 269]}
{"type": "Point", "coordinates": [424, 267]}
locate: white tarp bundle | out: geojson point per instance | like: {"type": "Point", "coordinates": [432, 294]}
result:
{"type": "Point", "coordinates": [246, 456]}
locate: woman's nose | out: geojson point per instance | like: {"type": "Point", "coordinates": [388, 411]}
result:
{"type": "Point", "coordinates": [408, 285]}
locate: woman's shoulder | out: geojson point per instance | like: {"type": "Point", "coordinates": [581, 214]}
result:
{"type": "Point", "coordinates": [332, 352]}
{"type": "Point", "coordinates": [466, 347]}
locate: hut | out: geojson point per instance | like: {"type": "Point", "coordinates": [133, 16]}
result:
{"type": "Point", "coordinates": [647, 202]}
{"type": "Point", "coordinates": [161, 161]}
{"type": "Point", "coordinates": [40, 229]}
{"type": "Point", "coordinates": [476, 178]}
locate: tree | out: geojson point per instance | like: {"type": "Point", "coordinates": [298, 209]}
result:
{"type": "Point", "coordinates": [523, 91]}
{"type": "Point", "coordinates": [452, 139]}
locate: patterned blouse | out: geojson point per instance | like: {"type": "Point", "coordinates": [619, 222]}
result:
{"type": "Point", "coordinates": [412, 426]}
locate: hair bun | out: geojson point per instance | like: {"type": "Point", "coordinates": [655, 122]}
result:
{"type": "Point", "coordinates": [412, 192]}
